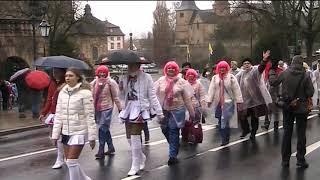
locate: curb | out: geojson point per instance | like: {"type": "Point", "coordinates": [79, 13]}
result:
{"type": "Point", "coordinates": [19, 130]}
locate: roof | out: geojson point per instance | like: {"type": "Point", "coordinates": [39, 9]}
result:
{"type": "Point", "coordinates": [113, 30]}
{"type": "Point", "coordinates": [207, 17]}
{"type": "Point", "coordinates": [187, 5]}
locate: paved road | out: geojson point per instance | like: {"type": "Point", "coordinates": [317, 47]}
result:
{"type": "Point", "coordinates": [29, 156]}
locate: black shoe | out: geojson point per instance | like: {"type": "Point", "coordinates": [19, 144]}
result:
{"type": "Point", "coordinates": [265, 127]}
{"type": "Point", "coordinates": [99, 156]}
{"type": "Point", "coordinates": [244, 134]}
{"type": "Point", "coordinates": [285, 164]}
{"type": "Point", "coordinates": [276, 126]}
{"type": "Point", "coordinates": [302, 165]}
{"type": "Point", "coordinates": [110, 152]}
{"type": "Point", "coordinates": [22, 116]}
{"type": "Point", "coordinates": [253, 136]}
{"type": "Point", "coordinates": [224, 143]}
{"type": "Point", "coordinates": [172, 161]}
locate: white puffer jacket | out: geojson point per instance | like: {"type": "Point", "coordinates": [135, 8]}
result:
{"type": "Point", "coordinates": [75, 113]}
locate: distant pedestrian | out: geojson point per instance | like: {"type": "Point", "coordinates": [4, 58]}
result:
{"type": "Point", "coordinates": [140, 105]}
{"type": "Point", "coordinates": [105, 94]}
{"type": "Point", "coordinates": [5, 94]}
{"type": "Point", "coordinates": [234, 68]}
{"type": "Point", "coordinates": [225, 96]}
{"type": "Point", "coordinates": [296, 89]}
{"type": "Point", "coordinates": [185, 66]}
{"type": "Point", "coordinates": [175, 95]}
{"type": "Point", "coordinates": [74, 118]}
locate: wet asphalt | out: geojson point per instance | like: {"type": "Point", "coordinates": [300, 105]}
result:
{"type": "Point", "coordinates": [30, 155]}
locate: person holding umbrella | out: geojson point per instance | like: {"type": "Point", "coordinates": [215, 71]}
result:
{"type": "Point", "coordinates": [57, 82]}
{"type": "Point", "coordinates": [74, 118]}
{"type": "Point", "coordinates": [140, 105]}
{"type": "Point", "coordinates": [175, 95]}
{"type": "Point", "coordinates": [105, 93]}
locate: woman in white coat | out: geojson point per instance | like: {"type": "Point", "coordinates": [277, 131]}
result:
{"type": "Point", "coordinates": [225, 95]}
{"type": "Point", "coordinates": [75, 117]}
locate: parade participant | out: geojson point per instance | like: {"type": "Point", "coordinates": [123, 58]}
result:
{"type": "Point", "coordinates": [47, 113]}
{"type": "Point", "coordinates": [254, 93]}
{"type": "Point", "coordinates": [225, 95]}
{"type": "Point", "coordinates": [296, 89]}
{"type": "Point", "coordinates": [234, 68]}
{"type": "Point", "coordinates": [74, 118]}
{"type": "Point", "coordinates": [5, 94]}
{"type": "Point", "coordinates": [140, 105]}
{"type": "Point", "coordinates": [105, 93]}
{"type": "Point", "coordinates": [185, 66]}
{"type": "Point", "coordinates": [198, 99]}
{"type": "Point", "coordinates": [314, 83]}
{"type": "Point", "coordinates": [175, 95]}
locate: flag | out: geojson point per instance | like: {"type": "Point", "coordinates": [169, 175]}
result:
{"type": "Point", "coordinates": [188, 52]}
{"type": "Point", "coordinates": [210, 49]}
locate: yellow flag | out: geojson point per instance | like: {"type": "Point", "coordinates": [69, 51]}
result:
{"type": "Point", "coordinates": [188, 52]}
{"type": "Point", "coordinates": [210, 49]}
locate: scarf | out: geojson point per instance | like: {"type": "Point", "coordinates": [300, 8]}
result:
{"type": "Point", "coordinates": [225, 65]}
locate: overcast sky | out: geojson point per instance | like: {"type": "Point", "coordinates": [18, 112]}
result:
{"type": "Point", "coordinates": [131, 16]}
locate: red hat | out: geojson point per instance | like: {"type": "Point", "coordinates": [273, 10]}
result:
{"type": "Point", "coordinates": [102, 69]}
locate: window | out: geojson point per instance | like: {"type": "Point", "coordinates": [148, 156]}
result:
{"type": "Point", "coordinates": [118, 46]}
{"type": "Point", "coordinates": [112, 38]}
{"type": "Point", "coordinates": [181, 15]}
{"type": "Point", "coordinates": [118, 38]}
{"type": "Point", "coordinates": [112, 46]}
{"type": "Point", "coordinates": [94, 53]}
{"type": "Point", "coordinates": [111, 30]}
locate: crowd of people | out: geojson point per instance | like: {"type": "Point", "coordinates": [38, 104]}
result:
{"type": "Point", "coordinates": [78, 111]}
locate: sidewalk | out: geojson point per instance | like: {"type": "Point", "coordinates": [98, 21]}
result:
{"type": "Point", "coordinates": [11, 123]}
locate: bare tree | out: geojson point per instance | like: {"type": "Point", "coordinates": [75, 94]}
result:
{"type": "Point", "coordinates": [162, 33]}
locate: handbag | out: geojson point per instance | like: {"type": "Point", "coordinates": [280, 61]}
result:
{"type": "Point", "coordinates": [192, 133]}
{"type": "Point", "coordinates": [309, 104]}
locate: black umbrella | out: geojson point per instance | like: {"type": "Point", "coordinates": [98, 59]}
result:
{"type": "Point", "coordinates": [122, 56]}
{"type": "Point", "coordinates": [61, 62]}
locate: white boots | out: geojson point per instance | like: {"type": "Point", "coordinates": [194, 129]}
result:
{"type": "Point", "coordinates": [75, 171]}
{"type": "Point", "coordinates": [60, 160]}
{"type": "Point", "coordinates": [138, 158]}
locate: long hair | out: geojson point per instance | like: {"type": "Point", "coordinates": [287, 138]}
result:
{"type": "Point", "coordinates": [82, 79]}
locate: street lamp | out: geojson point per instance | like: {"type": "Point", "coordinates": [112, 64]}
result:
{"type": "Point", "coordinates": [44, 27]}
{"type": "Point", "coordinates": [131, 43]}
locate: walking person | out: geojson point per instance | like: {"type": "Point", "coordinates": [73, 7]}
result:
{"type": "Point", "coordinates": [48, 111]}
{"type": "Point", "coordinates": [198, 99]}
{"type": "Point", "coordinates": [105, 94]}
{"type": "Point", "coordinates": [140, 105]}
{"type": "Point", "coordinates": [297, 88]}
{"type": "Point", "coordinates": [234, 68]}
{"type": "Point", "coordinates": [5, 94]}
{"type": "Point", "coordinates": [255, 95]}
{"type": "Point", "coordinates": [175, 95]}
{"type": "Point", "coordinates": [74, 118]}
{"type": "Point", "coordinates": [225, 96]}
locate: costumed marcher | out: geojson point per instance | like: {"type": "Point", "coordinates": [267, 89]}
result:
{"type": "Point", "coordinates": [185, 66]}
{"type": "Point", "coordinates": [255, 95]}
{"type": "Point", "coordinates": [74, 118]}
{"type": "Point", "coordinates": [225, 96]}
{"type": "Point", "coordinates": [314, 83]}
{"type": "Point", "coordinates": [198, 99]}
{"type": "Point", "coordinates": [105, 94]}
{"type": "Point", "coordinates": [234, 68]}
{"type": "Point", "coordinates": [140, 105]}
{"type": "Point", "coordinates": [175, 95]}
{"type": "Point", "coordinates": [47, 114]}
{"type": "Point", "coordinates": [297, 88]}
{"type": "Point", "coordinates": [274, 111]}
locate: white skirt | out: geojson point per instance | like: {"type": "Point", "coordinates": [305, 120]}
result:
{"type": "Point", "coordinates": [132, 111]}
{"type": "Point", "coordinates": [77, 139]}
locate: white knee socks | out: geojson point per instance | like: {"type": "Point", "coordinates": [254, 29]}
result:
{"type": "Point", "coordinates": [138, 157]}
{"type": "Point", "coordinates": [75, 171]}
{"type": "Point", "coordinates": [60, 161]}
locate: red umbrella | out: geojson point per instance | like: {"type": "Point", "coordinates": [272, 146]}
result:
{"type": "Point", "coordinates": [37, 80]}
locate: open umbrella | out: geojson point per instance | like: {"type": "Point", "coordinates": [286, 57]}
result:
{"type": "Point", "coordinates": [123, 56]}
{"type": "Point", "coordinates": [19, 73]}
{"type": "Point", "coordinates": [37, 80]}
{"type": "Point", "coordinates": [61, 62]}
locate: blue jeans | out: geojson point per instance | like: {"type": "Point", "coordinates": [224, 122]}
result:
{"type": "Point", "coordinates": [172, 136]}
{"type": "Point", "coordinates": [103, 120]}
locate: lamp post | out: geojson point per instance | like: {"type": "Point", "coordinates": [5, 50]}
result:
{"type": "Point", "coordinates": [44, 27]}
{"type": "Point", "coordinates": [131, 43]}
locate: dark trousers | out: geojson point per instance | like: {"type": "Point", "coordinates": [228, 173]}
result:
{"type": "Point", "coordinates": [244, 123]}
{"type": "Point", "coordinates": [146, 131]}
{"type": "Point", "coordinates": [5, 100]}
{"type": "Point", "coordinates": [301, 124]}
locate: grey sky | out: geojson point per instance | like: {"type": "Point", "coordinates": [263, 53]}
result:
{"type": "Point", "coordinates": [132, 16]}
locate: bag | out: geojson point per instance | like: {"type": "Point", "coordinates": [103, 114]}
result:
{"type": "Point", "coordinates": [192, 133]}
{"type": "Point", "coordinates": [309, 104]}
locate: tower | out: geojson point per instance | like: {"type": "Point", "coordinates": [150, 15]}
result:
{"type": "Point", "coordinates": [183, 15]}
{"type": "Point", "coordinates": [221, 8]}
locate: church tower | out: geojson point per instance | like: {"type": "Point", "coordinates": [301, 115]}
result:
{"type": "Point", "coordinates": [183, 15]}
{"type": "Point", "coordinates": [221, 8]}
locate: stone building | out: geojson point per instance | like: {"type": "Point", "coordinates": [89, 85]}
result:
{"type": "Point", "coordinates": [196, 28]}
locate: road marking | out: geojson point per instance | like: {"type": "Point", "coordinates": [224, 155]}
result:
{"type": "Point", "coordinates": [53, 149]}
{"type": "Point", "coordinates": [27, 154]}
{"type": "Point", "coordinates": [310, 148]}
{"type": "Point", "coordinates": [131, 177]}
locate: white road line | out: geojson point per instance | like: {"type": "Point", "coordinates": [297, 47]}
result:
{"type": "Point", "coordinates": [27, 154]}
{"type": "Point", "coordinates": [204, 127]}
{"type": "Point", "coordinates": [131, 177]}
{"type": "Point", "coordinates": [310, 148]}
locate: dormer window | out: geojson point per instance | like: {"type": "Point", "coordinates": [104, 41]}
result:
{"type": "Point", "coordinates": [111, 30]}
{"type": "Point", "coordinates": [181, 15]}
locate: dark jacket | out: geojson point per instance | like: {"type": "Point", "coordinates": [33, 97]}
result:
{"type": "Point", "coordinates": [290, 79]}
